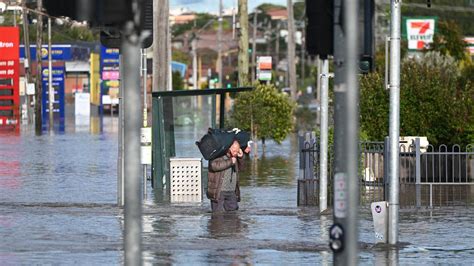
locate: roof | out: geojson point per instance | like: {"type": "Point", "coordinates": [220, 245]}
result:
{"type": "Point", "coordinates": [278, 14]}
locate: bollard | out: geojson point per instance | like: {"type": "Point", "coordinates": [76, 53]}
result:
{"type": "Point", "coordinates": [380, 217]}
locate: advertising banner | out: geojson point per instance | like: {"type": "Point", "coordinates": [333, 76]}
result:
{"type": "Point", "coordinates": [58, 88]}
{"type": "Point", "coordinates": [419, 32]}
{"type": "Point", "coordinates": [110, 74]}
{"type": "Point", "coordinates": [9, 77]}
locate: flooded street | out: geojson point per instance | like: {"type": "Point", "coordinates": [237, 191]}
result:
{"type": "Point", "coordinates": [58, 206]}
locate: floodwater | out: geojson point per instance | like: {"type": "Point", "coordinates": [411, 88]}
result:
{"type": "Point", "coordinates": [58, 206]}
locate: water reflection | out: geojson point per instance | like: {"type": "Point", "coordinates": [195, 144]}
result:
{"type": "Point", "coordinates": [226, 225]}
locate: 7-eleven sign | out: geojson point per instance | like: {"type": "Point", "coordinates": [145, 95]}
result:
{"type": "Point", "coordinates": [420, 32]}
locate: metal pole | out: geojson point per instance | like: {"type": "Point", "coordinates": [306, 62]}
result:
{"type": "Point", "coordinates": [352, 125]}
{"type": "Point", "coordinates": [343, 233]}
{"type": "Point", "coordinates": [323, 169]}
{"type": "Point", "coordinates": [219, 48]}
{"type": "Point", "coordinates": [394, 128]}
{"type": "Point", "coordinates": [195, 77]}
{"type": "Point", "coordinates": [39, 72]}
{"type": "Point", "coordinates": [132, 212]}
{"type": "Point", "coordinates": [254, 44]}
{"type": "Point", "coordinates": [50, 79]}
{"type": "Point", "coordinates": [145, 112]}
{"type": "Point", "coordinates": [26, 38]}
{"type": "Point", "coordinates": [121, 164]}
{"type": "Point", "coordinates": [144, 76]}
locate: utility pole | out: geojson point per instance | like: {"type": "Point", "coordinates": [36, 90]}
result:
{"type": "Point", "coordinates": [219, 47]}
{"type": "Point", "coordinates": [243, 44]}
{"type": "Point", "coordinates": [254, 45]}
{"type": "Point", "coordinates": [160, 45]}
{"type": "Point", "coordinates": [394, 127]}
{"type": "Point", "coordinates": [303, 54]}
{"type": "Point", "coordinates": [39, 76]}
{"type": "Point", "coordinates": [277, 45]}
{"type": "Point", "coordinates": [344, 233]}
{"type": "Point", "coordinates": [50, 79]}
{"type": "Point", "coordinates": [26, 38]}
{"type": "Point", "coordinates": [195, 77]}
{"type": "Point", "coordinates": [291, 50]}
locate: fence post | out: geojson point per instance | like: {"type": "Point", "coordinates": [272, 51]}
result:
{"type": "Point", "coordinates": [386, 166]}
{"type": "Point", "coordinates": [418, 171]}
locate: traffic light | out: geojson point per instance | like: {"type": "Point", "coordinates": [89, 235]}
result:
{"type": "Point", "coordinates": [97, 12]}
{"type": "Point", "coordinates": [319, 27]}
{"type": "Point", "coordinates": [365, 64]}
{"type": "Point", "coordinates": [108, 15]}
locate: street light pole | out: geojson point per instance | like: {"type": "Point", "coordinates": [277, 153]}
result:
{"type": "Point", "coordinates": [39, 74]}
{"type": "Point", "coordinates": [219, 47]}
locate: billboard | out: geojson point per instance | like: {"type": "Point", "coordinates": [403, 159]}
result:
{"type": "Point", "coordinates": [9, 77]}
{"type": "Point", "coordinates": [58, 88]}
{"type": "Point", "coordinates": [109, 73]}
{"type": "Point", "coordinates": [59, 52]}
{"type": "Point", "coordinates": [419, 31]}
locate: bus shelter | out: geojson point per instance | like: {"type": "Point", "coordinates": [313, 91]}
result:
{"type": "Point", "coordinates": [180, 118]}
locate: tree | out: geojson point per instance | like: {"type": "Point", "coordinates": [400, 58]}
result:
{"type": "Point", "coordinates": [265, 112]}
{"type": "Point", "coordinates": [436, 100]}
{"type": "Point", "coordinates": [449, 41]}
{"type": "Point", "coordinates": [178, 83]}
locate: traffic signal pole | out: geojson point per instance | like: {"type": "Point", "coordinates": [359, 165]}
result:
{"type": "Point", "coordinates": [344, 233]}
{"type": "Point", "coordinates": [394, 127]}
{"type": "Point", "coordinates": [130, 48]}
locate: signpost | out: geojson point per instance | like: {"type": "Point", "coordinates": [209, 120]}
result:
{"type": "Point", "coordinates": [110, 74]}
{"type": "Point", "coordinates": [58, 73]}
{"type": "Point", "coordinates": [264, 68]}
{"type": "Point", "coordinates": [9, 78]}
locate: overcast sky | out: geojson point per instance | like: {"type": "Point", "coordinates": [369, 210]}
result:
{"type": "Point", "coordinates": [213, 5]}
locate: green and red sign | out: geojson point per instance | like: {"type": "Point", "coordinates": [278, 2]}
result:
{"type": "Point", "coordinates": [419, 31]}
{"type": "Point", "coordinates": [9, 77]}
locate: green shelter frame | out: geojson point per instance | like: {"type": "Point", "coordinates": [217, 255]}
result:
{"type": "Point", "coordinates": [163, 122]}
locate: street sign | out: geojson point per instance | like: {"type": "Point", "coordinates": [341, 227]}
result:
{"type": "Point", "coordinates": [264, 68]}
{"type": "Point", "coordinates": [419, 32]}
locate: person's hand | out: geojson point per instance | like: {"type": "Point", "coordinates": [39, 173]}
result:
{"type": "Point", "coordinates": [234, 160]}
{"type": "Point", "coordinates": [240, 154]}
{"type": "Point", "coordinates": [248, 150]}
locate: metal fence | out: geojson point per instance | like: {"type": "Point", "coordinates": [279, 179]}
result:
{"type": "Point", "coordinates": [429, 176]}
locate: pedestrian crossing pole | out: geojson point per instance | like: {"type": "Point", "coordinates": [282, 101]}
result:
{"type": "Point", "coordinates": [394, 127]}
{"type": "Point", "coordinates": [343, 233]}
{"type": "Point", "coordinates": [130, 49]}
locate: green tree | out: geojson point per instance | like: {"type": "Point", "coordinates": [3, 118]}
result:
{"type": "Point", "coordinates": [266, 112]}
{"type": "Point", "coordinates": [178, 83]}
{"type": "Point", "coordinates": [436, 100]}
{"type": "Point", "coordinates": [449, 41]}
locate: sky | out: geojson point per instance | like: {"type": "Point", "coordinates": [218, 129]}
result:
{"type": "Point", "coordinates": [213, 5]}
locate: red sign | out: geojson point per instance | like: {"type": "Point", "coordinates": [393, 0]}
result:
{"type": "Point", "coordinates": [9, 77]}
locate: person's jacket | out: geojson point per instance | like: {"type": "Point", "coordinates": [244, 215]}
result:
{"type": "Point", "coordinates": [216, 169]}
